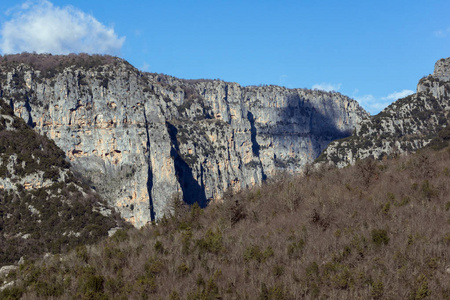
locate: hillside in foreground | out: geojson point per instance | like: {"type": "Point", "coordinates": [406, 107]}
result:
{"type": "Point", "coordinates": [376, 230]}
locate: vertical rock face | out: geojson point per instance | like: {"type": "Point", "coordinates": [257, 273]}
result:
{"type": "Point", "coordinates": [142, 138]}
{"type": "Point", "coordinates": [406, 125]}
{"type": "Point", "coordinates": [442, 69]}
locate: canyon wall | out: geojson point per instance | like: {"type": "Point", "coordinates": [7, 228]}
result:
{"type": "Point", "coordinates": [143, 138]}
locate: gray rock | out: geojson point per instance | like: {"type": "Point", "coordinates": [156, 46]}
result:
{"type": "Point", "coordinates": [112, 231]}
{"type": "Point", "coordinates": [7, 285]}
{"type": "Point", "coordinates": [4, 271]}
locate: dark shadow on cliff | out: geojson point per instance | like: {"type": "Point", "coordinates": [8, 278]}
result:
{"type": "Point", "coordinates": [30, 117]}
{"type": "Point", "coordinates": [301, 118]}
{"type": "Point", "coordinates": [255, 144]}
{"type": "Point", "coordinates": [193, 192]}
{"type": "Point", "coordinates": [150, 173]}
{"type": "Point", "coordinates": [27, 106]}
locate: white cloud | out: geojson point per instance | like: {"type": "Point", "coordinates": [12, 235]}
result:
{"type": "Point", "coordinates": [442, 33]}
{"type": "Point", "coordinates": [371, 103]}
{"type": "Point", "coordinates": [376, 104]}
{"type": "Point", "coordinates": [145, 67]}
{"type": "Point", "coordinates": [283, 80]}
{"type": "Point", "coordinates": [328, 87]}
{"type": "Point", "coordinates": [397, 95]}
{"type": "Point", "coordinates": [39, 26]}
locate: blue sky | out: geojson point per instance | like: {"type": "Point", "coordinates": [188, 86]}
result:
{"type": "Point", "coordinates": [372, 51]}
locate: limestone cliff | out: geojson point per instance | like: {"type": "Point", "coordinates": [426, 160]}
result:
{"type": "Point", "coordinates": [404, 126]}
{"type": "Point", "coordinates": [142, 138]}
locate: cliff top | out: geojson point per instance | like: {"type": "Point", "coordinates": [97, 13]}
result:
{"type": "Point", "coordinates": [47, 62]}
{"type": "Point", "coordinates": [50, 64]}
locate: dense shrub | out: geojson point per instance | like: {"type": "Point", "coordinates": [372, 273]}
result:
{"type": "Point", "coordinates": [379, 237]}
{"type": "Point", "coordinates": [50, 64]}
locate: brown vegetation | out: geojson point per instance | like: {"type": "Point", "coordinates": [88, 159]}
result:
{"type": "Point", "coordinates": [378, 230]}
{"type": "Point", "coordinates": [51, 64]}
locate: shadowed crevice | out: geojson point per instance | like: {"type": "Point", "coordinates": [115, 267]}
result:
{"type": "Point", "coordinates": [193, 192]}
{"type": "Point", "coordinates": [30, 117]}
{"type": "Point", "coordinates": [255, 145]}
{"type": "Point", "coordinates": [150, 173]}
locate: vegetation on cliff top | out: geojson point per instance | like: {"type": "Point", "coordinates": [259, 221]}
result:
{"type": "Point", "coordinates": [376, 230]}
{"type": "Point", "coordinates": [52, 64]}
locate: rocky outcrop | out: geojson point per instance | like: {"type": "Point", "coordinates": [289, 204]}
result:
{"type": "Point", "coordinates": [404, 126]}
{"type": "Point", "coordinates": [143, 138]}
{"type": "Point", "coordinates": [442, 70]}
{"type": "Point", "coordinates": [43, 207]}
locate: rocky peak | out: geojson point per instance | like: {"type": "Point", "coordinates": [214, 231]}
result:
{"type": "Point", "coordinates": [406, 125]}
{"type": "Point", "coordinates": [442, 69]}
{"type": "Point", "coordinates": [432, 82]}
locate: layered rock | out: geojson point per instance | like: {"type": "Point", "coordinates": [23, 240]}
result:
{"type": "Point", "coordinates": [406, 125]}
{"type": "Point", "coordinates": [143, 138]}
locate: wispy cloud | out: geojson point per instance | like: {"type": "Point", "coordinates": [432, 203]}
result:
{"type": "Point", "coordinates": [328, 87]}
{"type": "Point", "coordinates": [371, 103]}
{"type": "Point", "coordinates": [442, 33]}
{"type": "Point", "coordinates": [375, 104]}
{"type": "Point", "coordinates": [145, 67]}
{"type": "Point", "coordinates": [44, 28]}
{"type": "Point", "coordinates": [283, 80]}
{"type": "Point", "coordinates": [397, 95]}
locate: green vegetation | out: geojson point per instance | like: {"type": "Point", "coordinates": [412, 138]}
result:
{"type": "Point", "coordinates": [377, 230]}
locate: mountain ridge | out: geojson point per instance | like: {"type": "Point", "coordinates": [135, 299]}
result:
{"type": "Point", "coordinates": [406, 125]}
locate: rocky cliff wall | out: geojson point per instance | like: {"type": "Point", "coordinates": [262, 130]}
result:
{"type": "Point", "coordinates": [404, 126]}
{"type": "Point", "coordinates": [143, 138]}
{"type": "Point", "coordinates": [43, 206]}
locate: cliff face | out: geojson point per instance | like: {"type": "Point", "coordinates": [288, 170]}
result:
{"type": "Point", "coordinates": [142, 138]}
{"type": "Point", "coordinates": [406, 125]}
